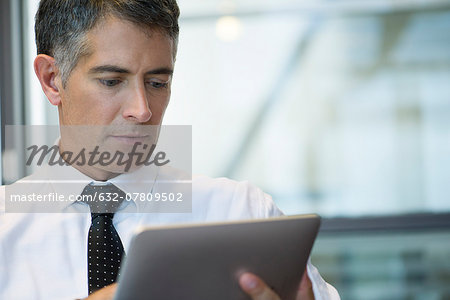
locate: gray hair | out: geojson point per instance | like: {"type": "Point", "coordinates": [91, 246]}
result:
{"type": "Point", "coordinates": [61, 25]}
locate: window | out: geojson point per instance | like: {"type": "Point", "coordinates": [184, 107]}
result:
{"type": "Point", "coordinates": [340, 108]}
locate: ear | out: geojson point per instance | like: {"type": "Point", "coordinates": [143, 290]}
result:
{"type": "Point", "coordinates": [48, 75]}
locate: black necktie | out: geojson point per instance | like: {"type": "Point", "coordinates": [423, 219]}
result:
{"type": "Point", "coordinates": [105, 249]}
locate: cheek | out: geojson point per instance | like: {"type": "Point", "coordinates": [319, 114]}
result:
{"type": "Point", "coordinates": [103, 114]}
{"type": "Point", "coordinates": [90, 109]}
{"type": "Point", "coordinates": [162, 105]}
{"type": "Point", "coordinates": [158, 110]}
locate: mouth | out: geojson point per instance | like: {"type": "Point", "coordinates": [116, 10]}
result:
{"type": "Point", "coordinates": [130, 138]}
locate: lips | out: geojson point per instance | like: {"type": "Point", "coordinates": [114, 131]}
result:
{"type": "Point", "coordinates": [130, 136]}
{"type": "Point", "coordinates": [130, 139]}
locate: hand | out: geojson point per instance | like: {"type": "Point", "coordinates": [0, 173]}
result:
{"type": "Point", "coordinates": [258, 290]}
{"type": "Point", "coordinates": [106, 293]}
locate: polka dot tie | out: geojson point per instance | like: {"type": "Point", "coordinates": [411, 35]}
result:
{"type": "Point", "coordinates": [105, 249]}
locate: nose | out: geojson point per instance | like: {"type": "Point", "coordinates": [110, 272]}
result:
{"type": "Point", "coordinates": [137, 108]}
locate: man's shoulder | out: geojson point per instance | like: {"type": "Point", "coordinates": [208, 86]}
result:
{"type": "Point", "coordinates": [202, 184]}
{"type": "Point", "coordinates": [3, 189]}
{"type": "Point", "coordinates": [222, 185]}
{"type": "Point", "coordinates": [2, 199]}
{"type": "Point", "coordinates": [241, 199]}
{"type": "Point", "coordinates": [34, 183]}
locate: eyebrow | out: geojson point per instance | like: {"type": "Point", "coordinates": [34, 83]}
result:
{"type": "Point", "coordinates": [116, 69]}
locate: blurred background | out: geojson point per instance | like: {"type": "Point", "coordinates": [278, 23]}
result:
{"type": "Point", "coordinates": [338, 107]}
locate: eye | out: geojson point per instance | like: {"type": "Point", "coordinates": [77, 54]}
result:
{"type": "Point", "coordinates": [158, 85]}
{"type": "Point", "coordinates": [109, 82]}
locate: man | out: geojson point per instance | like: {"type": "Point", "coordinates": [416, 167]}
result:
{"type": "Point", "coordinates": [110, 64]}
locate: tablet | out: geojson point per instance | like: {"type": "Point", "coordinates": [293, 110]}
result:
{"type": "Point", "coordinates": [203, 262]}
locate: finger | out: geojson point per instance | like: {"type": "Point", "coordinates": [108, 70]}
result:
{"type": "Point", "coordinates": [305, 291]}
{"type": "Point", "coordinates": [106, 293]}
{"type": "Point", "coordinates": [256, 288]}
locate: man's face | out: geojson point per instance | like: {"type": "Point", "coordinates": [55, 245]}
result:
{"type": "Point", "coordinates": [124, 81]}
{"type": "Point", "coordinates": [122, 84]}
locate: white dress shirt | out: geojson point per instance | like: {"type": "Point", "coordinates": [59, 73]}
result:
{"type": "Point", "coordinates": [44, 255]}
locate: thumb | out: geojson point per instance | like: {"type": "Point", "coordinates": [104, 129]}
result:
{"type": "Point", "coordinates": [256, 288]}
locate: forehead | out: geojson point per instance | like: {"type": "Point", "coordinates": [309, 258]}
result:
{"type": "Point", "coordinates": [117, 41]}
